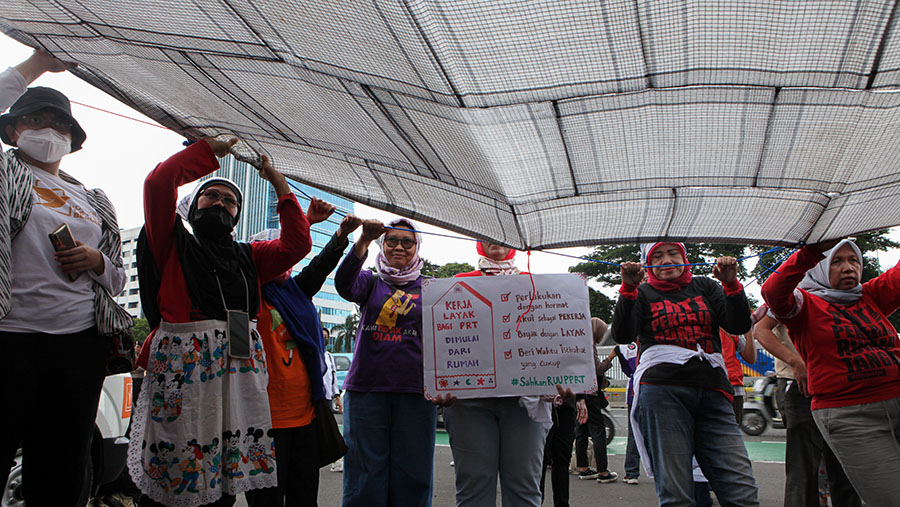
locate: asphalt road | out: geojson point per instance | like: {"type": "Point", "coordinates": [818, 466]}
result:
{"type": "Point", "coordinates": [766, 452]}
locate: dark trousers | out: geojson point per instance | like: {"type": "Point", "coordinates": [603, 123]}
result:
{"type": "Point", "coordinates": [558, 452]}
{"type": "Point", "coordinates": [597, 430]}
{"type": "Point", "coordinates": [632, 456]}
{"type": "Point", "coordinates": [297, 468]}
{"type": "Point", "coordinates": [738, 405]}
{"type": "Point", "coordinates": [804, 451]}
{"type": "Point", "coordinates": [51, 387]}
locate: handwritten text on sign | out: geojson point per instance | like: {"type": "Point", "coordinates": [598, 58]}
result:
{"type": "Point", "coordinates": [495, 336]}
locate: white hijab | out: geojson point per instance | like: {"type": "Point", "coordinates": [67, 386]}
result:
{"type": "Point", "coordinates": [818, 280]}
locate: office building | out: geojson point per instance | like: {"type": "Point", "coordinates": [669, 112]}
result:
{"type": "Point", "coordinates": [259, 213]}
{"type": "Point", "coordinates": [130, 297]}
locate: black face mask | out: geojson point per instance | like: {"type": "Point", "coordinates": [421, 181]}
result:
{"type": "Point", "coordinates": [214, 222]}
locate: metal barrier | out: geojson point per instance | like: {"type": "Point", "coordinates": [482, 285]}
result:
{"type": "Point", "coordinates": [764, 362]}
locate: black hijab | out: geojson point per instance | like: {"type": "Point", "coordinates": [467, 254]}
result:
{"type": "Point", "coordinates": [207, 260]}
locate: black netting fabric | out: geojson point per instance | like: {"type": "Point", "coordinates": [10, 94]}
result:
{"type": "Point", "coordinates": [543, 123]}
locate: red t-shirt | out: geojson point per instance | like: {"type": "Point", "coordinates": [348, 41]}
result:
{"type": "Point", "coordinates": [729, 353]}
{"type": "Point", "coordinates": [847, 365]}
{"type": "Point", "coordinates": [271, 258]}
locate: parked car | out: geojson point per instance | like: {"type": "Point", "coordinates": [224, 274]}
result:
{"type": "Point", "coordinates": [109, 445]}
{"type": "Point", "coordinates": [342, 363]}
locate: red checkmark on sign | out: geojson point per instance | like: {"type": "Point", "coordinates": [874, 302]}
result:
{"type": "Point", "coordinates": [508, 354]}
{"type": "Point", "coordinates": [504, 297]}
{"type": "Point", "coordinates": [506, 335]}
{"type": "Point", "coordinates": [506, 318]}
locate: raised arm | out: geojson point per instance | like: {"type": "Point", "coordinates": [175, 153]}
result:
{"type": "Point", "coordinates": [625, 325]}
{"type": "Point", "coordinates": [161, 190]}
{"type": "Point", "coordinates": [885, 290]}
{"type": "Point", "coordinates": [273, 258]}
{"type": "Point", "coordinates": [778, 290]}
{"type": "Point", "coordinates": [734, 307]}
{"type": "Point", "coordinates": [15, 80]}
{"type": "Point", "coordinates": [40, 62]}
{"type": "Point", "coordinates": [313, 275]}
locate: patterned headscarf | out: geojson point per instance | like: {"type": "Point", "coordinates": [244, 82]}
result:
{"type": "Point", "coordinates": [411, 271]}
{"type": "Point", "coordinates": [505, 266]}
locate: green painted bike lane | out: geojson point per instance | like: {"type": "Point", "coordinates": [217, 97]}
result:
{"type": "Point", "coordinates": [766, 452]}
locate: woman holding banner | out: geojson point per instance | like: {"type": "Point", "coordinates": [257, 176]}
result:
{"type": "Point", "coordinates": [497, 435]}
{"type": "Point", "coordinates": [388, 424]}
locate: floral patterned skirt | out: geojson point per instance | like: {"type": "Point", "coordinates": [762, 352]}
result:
{"type": "Point", "coordinates": [202, 426]}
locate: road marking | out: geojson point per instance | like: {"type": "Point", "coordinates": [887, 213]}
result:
{"type": "Point", "coordinates": [763, 452]}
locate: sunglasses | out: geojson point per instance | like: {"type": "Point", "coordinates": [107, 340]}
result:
{"type": "Point", "coordinates": [39, 121]}
{"type": "Point", "coordinates": [214, 195]}
{"type": "Point", "coordinates": [391, 242]}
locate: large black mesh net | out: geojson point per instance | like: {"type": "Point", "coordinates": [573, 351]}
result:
{"type": "Point", "coordinates": [540, 123]}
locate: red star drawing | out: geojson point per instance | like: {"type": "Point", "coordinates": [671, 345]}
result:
{"type": "Point", "coordinates": [481, 381]}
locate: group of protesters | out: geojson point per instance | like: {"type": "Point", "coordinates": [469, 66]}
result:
{"type": "Point", "coordinates": [235, 359]}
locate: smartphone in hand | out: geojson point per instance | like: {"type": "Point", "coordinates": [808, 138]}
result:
{"type": "Point", "coordinates": [62, 239]}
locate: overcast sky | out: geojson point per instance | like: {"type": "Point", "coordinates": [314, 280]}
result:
{"type": "Point", "coordinates": [119, 153]}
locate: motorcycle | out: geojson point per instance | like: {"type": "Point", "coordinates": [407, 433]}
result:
{"type": "Point", "coordinates": [759, 408]}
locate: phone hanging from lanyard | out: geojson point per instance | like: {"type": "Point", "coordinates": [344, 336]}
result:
{"type": "Point", "coordinates": [238, 331]}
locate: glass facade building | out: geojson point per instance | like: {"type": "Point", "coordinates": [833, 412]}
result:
{"type": "Point", "coordinates": [259, 213]}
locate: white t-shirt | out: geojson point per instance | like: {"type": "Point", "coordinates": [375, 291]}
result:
{"type": "Point", "coordinates": [43, 298]}
{"type": "Point", "coordinates": [329, 378]}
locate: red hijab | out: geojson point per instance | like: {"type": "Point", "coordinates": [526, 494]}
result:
{"type": "Point", "coordinates": [666, 285]}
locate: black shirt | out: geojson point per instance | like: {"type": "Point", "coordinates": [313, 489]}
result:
{"type": "Point", "coordinates": [686, 318]}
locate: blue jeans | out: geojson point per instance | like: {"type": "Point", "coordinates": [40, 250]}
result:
{"type": "Point", "coordinates": [632, 457]}
{"type": "Point", "coordinates": [679, 422]}
{"type": "Point", "coordinates": [390, 449]}
{"type": "Point", "coordinates": [491, 435]}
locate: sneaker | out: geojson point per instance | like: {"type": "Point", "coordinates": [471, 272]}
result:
{"type": "Point", "coordinates": [631, 480]}
{"type": "Point", "coordinates": [589, 473]}
{"type": "Point", "coordinates": [607, 477]}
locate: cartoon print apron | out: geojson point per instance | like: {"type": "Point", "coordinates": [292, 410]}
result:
{"type": "Point", "coordinates": [202, 426]}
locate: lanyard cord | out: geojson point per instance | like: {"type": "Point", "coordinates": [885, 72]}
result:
{"type": "Point", "coordinates": [222, 294]}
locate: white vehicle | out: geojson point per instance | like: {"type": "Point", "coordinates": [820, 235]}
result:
{"type": "Point", "coordinates": [109, 447]}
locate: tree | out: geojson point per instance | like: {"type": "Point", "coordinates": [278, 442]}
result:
{"type": "Point", "coordinates": [140, 330]}
{"type": "Point", "coordinates": [343, 334]}
{"type": "Point", "coordinates": [452, 269]}
{"type": "Point", "coordinates": [601, 305]}
{"type": "Point", "coordinates": [448, 270]}
{"type": "Point", "coordinates": [606, 272]}
{"type": "Point", "coordinates": [869, 243]}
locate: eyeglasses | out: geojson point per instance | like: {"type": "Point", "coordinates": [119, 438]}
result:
{"type": "Point", "coordinates": [214, 195]}
{"type": "Point", "coordinates": [39, 121]}
{"type": "Point", "coordinates": [392, 241]}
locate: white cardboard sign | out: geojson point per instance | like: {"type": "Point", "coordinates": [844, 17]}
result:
{"type": "Point", "coordinates": [493, 336]}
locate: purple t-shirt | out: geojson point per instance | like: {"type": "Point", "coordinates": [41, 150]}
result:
{"type": "Point", "coordinates": [387, 357]}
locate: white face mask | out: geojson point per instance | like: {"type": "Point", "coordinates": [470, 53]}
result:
{"type": "Point", "coordinates": [45, 145]}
